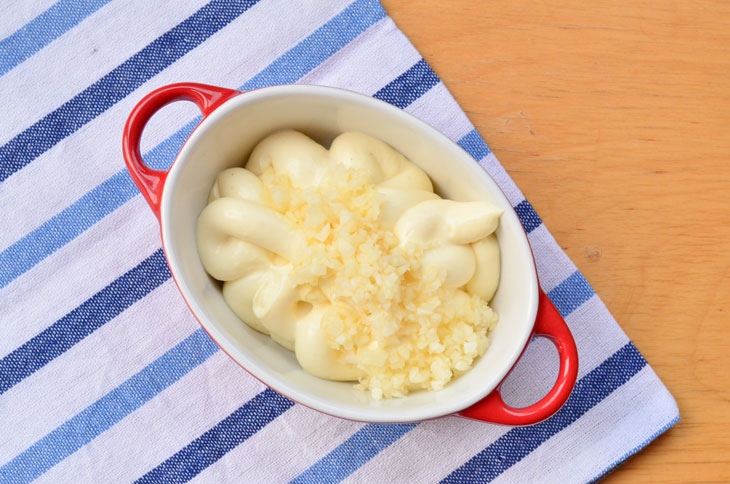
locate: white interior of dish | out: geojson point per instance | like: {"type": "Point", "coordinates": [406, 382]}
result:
{"type": "Point", "coordinates": [226, 138]}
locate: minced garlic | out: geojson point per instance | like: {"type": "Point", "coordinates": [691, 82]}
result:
{"type": "Point", "coordinates": [364, 272]}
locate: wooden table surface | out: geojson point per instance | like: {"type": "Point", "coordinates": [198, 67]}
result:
{"type": "Point", "coordinates": [614, 120]}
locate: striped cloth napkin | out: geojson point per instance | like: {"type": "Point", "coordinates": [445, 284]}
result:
{"type": "Point", "coordinates": [104, 374]}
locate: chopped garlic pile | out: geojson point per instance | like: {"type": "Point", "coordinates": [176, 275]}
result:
{"type": "Point", "coordinates": [397, 322]}
{"type": "Point", "coordinates": [365, 273]}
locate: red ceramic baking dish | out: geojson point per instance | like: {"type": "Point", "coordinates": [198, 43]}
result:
{"type": "Point", "coordinates": [233, 122]}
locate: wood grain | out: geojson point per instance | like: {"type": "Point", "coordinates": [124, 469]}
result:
{"type": "Point", "coordinates": [614, 119]}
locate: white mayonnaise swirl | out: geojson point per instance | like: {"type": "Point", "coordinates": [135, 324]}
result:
{"type": "Point", "coordinates": [256, 249]}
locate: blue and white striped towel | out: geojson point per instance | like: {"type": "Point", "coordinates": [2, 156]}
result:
{"type": "Point", "coordinates": [104, 374]}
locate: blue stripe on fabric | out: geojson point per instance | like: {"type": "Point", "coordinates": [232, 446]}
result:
{"type": "Point", "coordinates": [221, 439]}
{"type": "Point", "coordinates": [519, 442]}
{"type": "Point", "coordinates": [118, 83]}
{"type": "Point", "coordinates": [529, 218]}
{"type": "Point", "coordinates": [65, 226]}
{"type": "Point", "coordinates": [84, 320]}
{"type": "Point", "coordinates": [409, 86]}
{"type": "Point", "coordinates": [474, 144]}
{"type": "Point", "coordinates": [571, 293]}
{"type": "Point", "coordinates": [635, 450]}
{"type": "Point", "coordinates": [110, 409]}
{"type": "Point", "coordinates": [350, 455]}
{"type": "Point", "coordinates": [118, 189]}
{"type": "Point", "coordinates": [42, 30]}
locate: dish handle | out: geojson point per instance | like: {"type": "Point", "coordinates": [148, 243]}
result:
{"type": "Point", "coordinates": [151, 182]}
{"type": "Point", "coordinates": [551, 325]}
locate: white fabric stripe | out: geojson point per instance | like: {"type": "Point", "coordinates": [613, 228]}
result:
{"type": "Point", "coordinates": [553, 265]}
{"type": "Point", "coordinates": [499, 174]}
{"type": "Point", "coordinates": [451, 121]}
{"type": "Point", "coordinates": [99, 43]}
{"type": "Point", "coordinates": [76, 272]}
{"type": "Point", "coordinates": [603, 435]}
{"type": "Point", "coordinates": [84, 159]}
{"type": "Point", "coordinates": [90, 369]}
{"type": "Point", "coordinates": [17, 13]}
{"type": "Point", "coordinates": [160, 428]}
{"type": "Point", "coordinates": [276, 453]}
